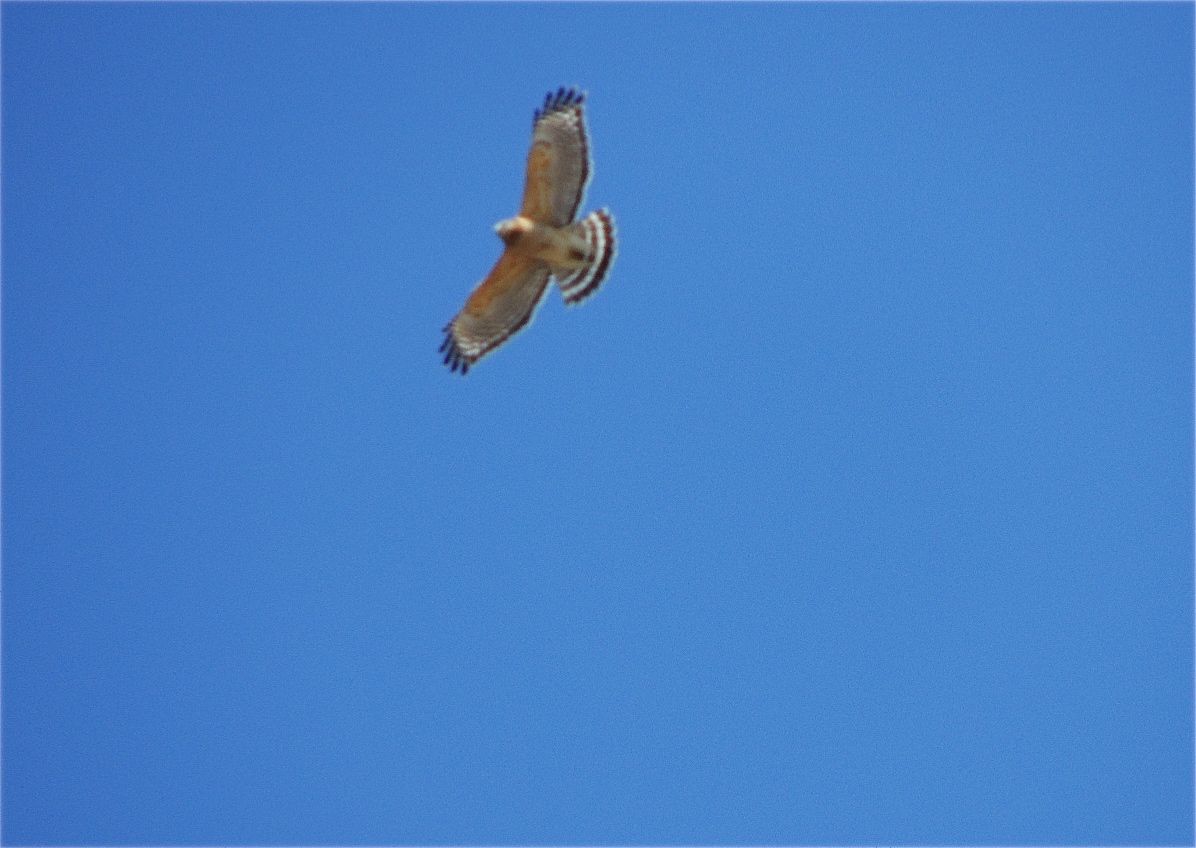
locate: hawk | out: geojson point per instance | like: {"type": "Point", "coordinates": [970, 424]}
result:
{"type": "Point", "coordinates": [543, 241]}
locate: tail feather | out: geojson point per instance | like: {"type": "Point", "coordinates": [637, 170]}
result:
{"type": "Point", "coordinates": [598, 229]}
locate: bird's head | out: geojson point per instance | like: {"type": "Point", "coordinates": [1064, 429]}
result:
{"type": "Point", "coordinates": [511, 230]}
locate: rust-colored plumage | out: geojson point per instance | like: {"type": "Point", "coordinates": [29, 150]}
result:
{"type": "Point", "coordinates": [542, 242]}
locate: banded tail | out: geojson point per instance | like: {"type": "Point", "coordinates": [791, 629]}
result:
{"type": "Point", "coordinates": [598, 230]}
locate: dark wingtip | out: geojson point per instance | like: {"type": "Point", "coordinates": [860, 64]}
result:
{"type": "Point", "coordinates": [563, 98]}
{"type": "Point", "coordinates": [453, 357]}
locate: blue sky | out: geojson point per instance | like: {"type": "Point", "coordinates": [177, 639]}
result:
{"type": "Point", "coordinates": [856, 507]}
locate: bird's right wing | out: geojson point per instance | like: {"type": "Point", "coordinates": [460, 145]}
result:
{"type": "Point", "coordinates": [501, 306]}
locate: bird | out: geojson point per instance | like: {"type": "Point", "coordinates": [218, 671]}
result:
{"type": "Point", "coordinates": [543, 242]}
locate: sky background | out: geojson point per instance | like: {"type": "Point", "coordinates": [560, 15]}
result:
{"type": "Point", "coordinates": [856, 507]}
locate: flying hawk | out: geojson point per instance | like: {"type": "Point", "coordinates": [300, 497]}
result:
{"type": "Point", "coordinates": [542, 241]}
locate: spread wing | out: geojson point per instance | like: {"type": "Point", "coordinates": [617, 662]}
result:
{"type": "Point", "coordinates": [499, 307]}
{"type": "Point", "coordinates": [558, 166]}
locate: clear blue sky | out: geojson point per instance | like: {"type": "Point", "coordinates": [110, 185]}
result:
{"type": "Point", "coordinates": [856, 508]}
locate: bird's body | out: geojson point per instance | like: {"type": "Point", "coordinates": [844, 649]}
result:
{"type": "Point", "coordinates": [543, 242]}
{"type": "Point", "coordinates": [557, 247]}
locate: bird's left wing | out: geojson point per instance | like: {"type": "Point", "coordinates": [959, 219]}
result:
{"type": "Point", "coordinates": [501, 306]}
{"type": "Point", "coordinates": [558, 165]}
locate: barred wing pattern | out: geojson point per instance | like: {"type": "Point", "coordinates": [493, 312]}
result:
{"type": "Point", "coordinates": [542, 242]}
{"type": "Point", "coordinates": [558, 165]}
{"type": "Point", "coordinates": [502, 305]}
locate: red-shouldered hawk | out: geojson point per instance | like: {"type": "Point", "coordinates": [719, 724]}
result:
{"type": "Point", "coordinates": [542, 241]}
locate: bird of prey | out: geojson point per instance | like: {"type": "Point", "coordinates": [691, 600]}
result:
{"type": "Point", "coordinates": [543, 241]}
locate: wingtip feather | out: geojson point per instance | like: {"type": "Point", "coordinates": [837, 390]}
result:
{"type": "Point", "coordinates": [559, 100]}
{"type": "Point", "coordinates": [454, 357]}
